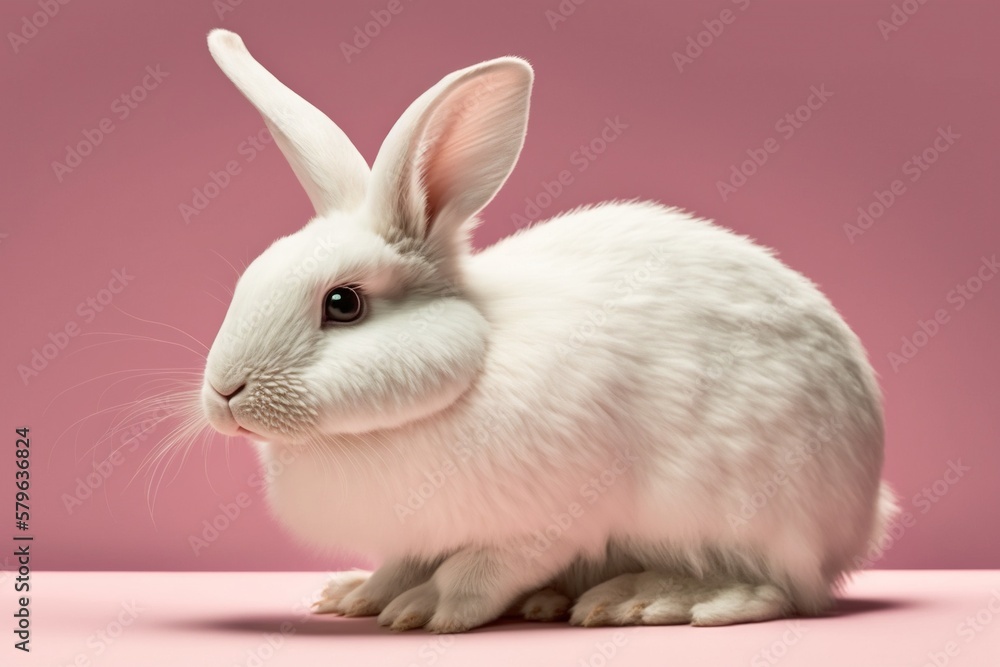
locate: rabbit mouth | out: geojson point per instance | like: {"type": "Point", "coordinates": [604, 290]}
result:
{"type": "Point", "coordinates": [218, 410]}
{"type": "Point", "coordinates": [222, 419]}
{"type": "Point", "coordinates": [241, 430]}
{"type": "Point", "coordinates": [259, 407]}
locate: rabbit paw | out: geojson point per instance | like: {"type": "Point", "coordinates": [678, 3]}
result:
{"type": "Point", "coordinates": [412, 609]}
{"type": "Point", "coordinates": [425, 607]}
{"type": "Point", "coordinates": [360, 593]}
{"type": "Point", "coordinates": [652, 598]}
{"type": "Point", "coordinates": [544, 605]}
{"type": "Point", "coordinates": [458, 597]}
{"type": "Point", "coordinates": [341, 585]}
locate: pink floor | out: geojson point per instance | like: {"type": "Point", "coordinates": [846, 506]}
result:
{"type": "Point", "coordinates": [886, 618]}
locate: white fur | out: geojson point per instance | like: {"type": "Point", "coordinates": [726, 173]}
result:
{"type": "Point", "coordinates": [609, 393]}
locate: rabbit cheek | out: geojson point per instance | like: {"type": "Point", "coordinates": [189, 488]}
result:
{"type": "Point", "coordinates": [418, 370]}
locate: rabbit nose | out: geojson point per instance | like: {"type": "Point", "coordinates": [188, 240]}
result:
{"type": "Point", "coordinates": [230, 395]}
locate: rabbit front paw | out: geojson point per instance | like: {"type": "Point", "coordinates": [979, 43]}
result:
{"type": "Point", "coordinates": [340, 585]}
{"type": "Point", "coordinates": [360, 593]}
{"type": "Point", "coordinates": [412, 609]}
{"type": "Point", "coordinates": [425, 606]}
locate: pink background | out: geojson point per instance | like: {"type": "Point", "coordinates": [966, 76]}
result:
{"type": "Point", "coordinates": [61, 240]}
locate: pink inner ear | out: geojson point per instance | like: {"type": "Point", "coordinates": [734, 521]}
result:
{"type": "Point", "coordinates": [438, 169]}
{"type": "Point", "coordinates": [434, 190]}
{"type": "Point", "coordinates": [449, 154]}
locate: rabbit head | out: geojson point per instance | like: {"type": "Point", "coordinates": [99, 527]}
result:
{"type": "Point", "coordinates": [358, 321]}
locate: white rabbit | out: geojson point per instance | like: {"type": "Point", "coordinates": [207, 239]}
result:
{"type": "Point", "coordinates": [624, 414]}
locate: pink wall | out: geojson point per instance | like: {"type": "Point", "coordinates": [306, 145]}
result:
{"type": "Point", "coordinates": [892, 97]}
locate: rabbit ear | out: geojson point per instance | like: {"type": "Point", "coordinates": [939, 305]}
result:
{"type": "Point", "coordinates": [330, 168]}
{"type": "Point", "coordinates": [450, 152]}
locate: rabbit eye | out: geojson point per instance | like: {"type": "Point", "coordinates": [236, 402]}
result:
{"type": "Point", "coordinates": [342, 305]}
